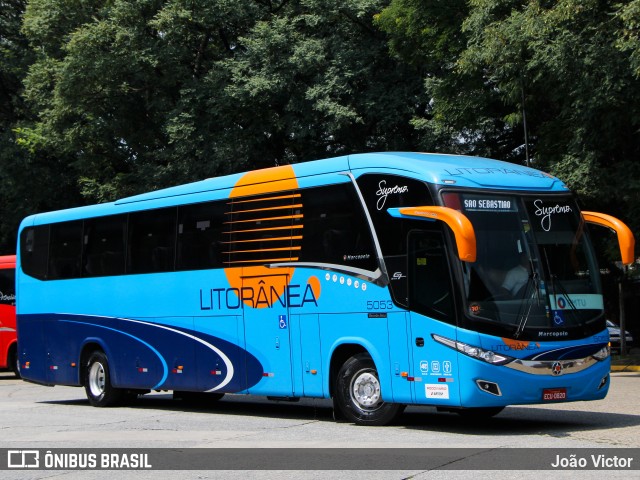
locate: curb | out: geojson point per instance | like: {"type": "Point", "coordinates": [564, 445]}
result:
{"type": "Point", "coordinates": [625, 368]}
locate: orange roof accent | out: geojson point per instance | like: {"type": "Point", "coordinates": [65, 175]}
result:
{"type": "Point", "coordinates": [268, 180]}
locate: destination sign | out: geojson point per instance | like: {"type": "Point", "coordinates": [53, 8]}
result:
{"type": "Point", "coordinates": [488, 204]}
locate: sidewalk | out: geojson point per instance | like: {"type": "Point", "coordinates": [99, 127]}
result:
{"type": "Point", "coordinates": [626, 363]}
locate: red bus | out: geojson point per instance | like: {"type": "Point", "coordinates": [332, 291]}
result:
{"type": "Point", "coordinates": [8, 343]}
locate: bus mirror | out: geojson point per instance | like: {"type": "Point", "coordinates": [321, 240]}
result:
{"type": "Point", "coordinates": [625, 236]}
{"type": "Point", "coordinates": [462, 229]}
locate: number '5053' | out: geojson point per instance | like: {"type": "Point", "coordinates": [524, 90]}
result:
{"type": "Point", "coordinates": [379, 305]}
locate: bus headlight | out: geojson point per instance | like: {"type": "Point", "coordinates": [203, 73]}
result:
{"type": "Point", "coordinates": [474, 352]}
{"type": "Point", "coordinates": [602, 354]}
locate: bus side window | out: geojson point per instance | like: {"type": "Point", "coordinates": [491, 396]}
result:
{"type": "Point", "coordinates": [34, 251]}
{"type": "Point", "coordinates": [7, 286]}
{"type": "Point", "coordinates": [151, 246]}
{"type": "Point", "coordinates": [104, 243]}
{"type": "Point", "coordinates": [199, 236]}
{"type": "Point", "coordinates": [335, 228]}
{"type": "Point", "coordinates": [65, 250]}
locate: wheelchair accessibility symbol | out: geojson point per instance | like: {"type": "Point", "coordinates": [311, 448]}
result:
{"type": "Point", "coordinates": [282, 320]}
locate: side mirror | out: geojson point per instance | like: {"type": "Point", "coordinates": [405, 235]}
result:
{"type": "Point", "coordinates": [462, 229]}
{"type": "Point", "coordinates": [625, 236]}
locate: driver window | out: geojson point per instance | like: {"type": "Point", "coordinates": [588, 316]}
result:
{"type": "Point", "coordinates": [430, 291]}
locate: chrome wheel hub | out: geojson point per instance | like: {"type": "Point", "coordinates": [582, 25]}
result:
{"type": "Point", "coordinates": [96, 379]}
{"type": "Point", "coordinates": [365, 390]}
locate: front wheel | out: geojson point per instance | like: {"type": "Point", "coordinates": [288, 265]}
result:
{"type": "Point", "coordinates": [358, 396]}
{"type": "Point", "coordinates": [97, 382]}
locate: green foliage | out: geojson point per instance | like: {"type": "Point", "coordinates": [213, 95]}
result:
{"type": "Point", "coordinates": [570, 65]}
{"type": "Point", "coordinates": [106, 98]}
{"type": "Point", "coordinates": [141, 95]}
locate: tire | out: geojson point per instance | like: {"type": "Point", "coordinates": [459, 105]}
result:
{"type": "Point", "coordinates": [97, 382]}
{"type": "Point", "coordinates": [14, 361]}
{"type": "Point", "coordinates": [358, 396]}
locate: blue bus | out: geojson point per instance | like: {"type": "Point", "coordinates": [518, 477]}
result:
{"type": "Point", "coordinates": [377, 280]}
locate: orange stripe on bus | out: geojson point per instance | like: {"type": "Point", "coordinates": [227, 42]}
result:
{"type": "Point", "coordinates": [288, 227]}
{"type": "Point", "coordinates": [279, 249]}
{"type": "Point", "coordinates": [274, 239]}
{"type": "Point", "coordinates": [266, 209]}
{"type": "Point", "coordinates": [265, 199]}
{"type": "Point", "coordinates": [265, 219]}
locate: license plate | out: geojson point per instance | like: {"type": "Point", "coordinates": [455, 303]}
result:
{"type": "Point", "coordinates": [554, 394]}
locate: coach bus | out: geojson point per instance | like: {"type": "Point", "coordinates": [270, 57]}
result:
{"type": "Point", "coordinates": [8, 342]}
{"type": "Point", "coordinates": [377, 280]}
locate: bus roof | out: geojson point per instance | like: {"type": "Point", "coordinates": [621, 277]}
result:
{"type": "Point", "coordinates": [440, 169]}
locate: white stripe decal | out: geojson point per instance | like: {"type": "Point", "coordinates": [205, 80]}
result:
{"type": "Point", "coordinates": [225, 359]}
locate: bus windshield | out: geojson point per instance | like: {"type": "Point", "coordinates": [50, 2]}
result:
{"type": "Point", "coordinates": [534, 274]}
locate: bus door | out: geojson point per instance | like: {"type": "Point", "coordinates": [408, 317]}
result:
{"type": "Point", "coordinates": [432, 312]}
{"type": "Point", "coordinates": [266, 301]}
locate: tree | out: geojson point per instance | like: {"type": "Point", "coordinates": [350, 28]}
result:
{"type": "Point", "coordinates": [570, 65]}
{"type": "Point", "coordinates": [141, 95]}
{"type": "Point", "coordinates": [30, 181]}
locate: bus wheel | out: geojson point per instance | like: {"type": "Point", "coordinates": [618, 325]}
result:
{"type": "Point", "coordinates": [97, 382]}
{"type": "Point", "coordinates": [14, 361]}
{"type": "Point", "coordinates": [358, 396]}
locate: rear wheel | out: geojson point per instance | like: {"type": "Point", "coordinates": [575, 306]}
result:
{"type": "Point", "coordinates": [97, 382]}
{"type": "Point", "coordinates": [358, 395]}
{"type": "Point", "coordinates": [14, 360]}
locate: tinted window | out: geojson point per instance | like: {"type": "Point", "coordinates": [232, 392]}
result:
{"type": "Point", "coordinates": [65, 250]}
{"type": "Point", "coordinates": [7, 286]}
{"type": "Point", "coordinates": [382, 192]}
{"type": "Point", "coordinates": [430, 290]}
{"type": "Point", "coordinates": [335, 228]}
{"type": "Point", "coordinates": [199, 236]}
{"type": "Point", "coordinates": [104, 244]}
{"type": "Point", "coordinates": [34, 251]}
{"type": "Point", "coordinates": [151, 246]}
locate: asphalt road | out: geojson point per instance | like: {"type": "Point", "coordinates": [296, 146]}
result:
{"type": "Point", "coordinates": [33, 416]}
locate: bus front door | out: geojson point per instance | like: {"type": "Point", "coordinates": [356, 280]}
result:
{"type": "Point", "coordinates": [431, 302]}
{"type": "Point", "coordinates": [267, 333]}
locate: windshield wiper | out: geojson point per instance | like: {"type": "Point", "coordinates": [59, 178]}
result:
{"type": "Point", "coordinates": [555, 281]}
{"type": "Point", "coordinates": [535, 281]}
